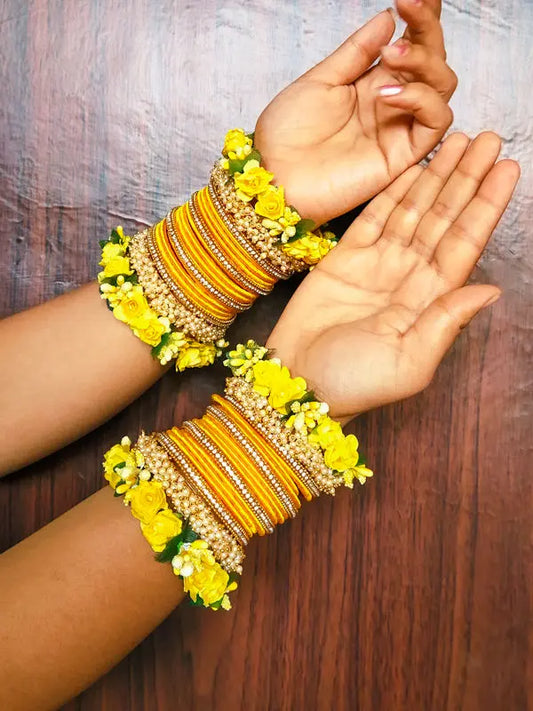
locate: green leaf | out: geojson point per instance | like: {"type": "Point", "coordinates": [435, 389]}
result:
{"type": "Point", "coordinates": [188, 535]}
{"type": "Point", "coordinates": [156, 350]}
{"type": "Point", "coordinates": [251, 136]}
{"type": "Point", "coordinates": [254, 155]}
{"type": "Point", "coordinates": [305, 226]}
{"type": "Point", "coordinates": [236, 166]}
{"type": "Point", "coordinates": [170, 550]}
{"type": "Point", "coordinates": [309, 397]}
{"type": "Point", "coordinates": [362, 459]}
{"type": "Point", "coordinates": [234, 577]}
{"type": "Point", "coordinates": [198, 602]}
{"type": "Point", "coordinates": [114, 237]}
{"type": "Point", "coordinates": [120, 465]}
{"type": "Point", "coordinates": [103, 243]}
{"type": "Point", "coordinates": [115, 493]}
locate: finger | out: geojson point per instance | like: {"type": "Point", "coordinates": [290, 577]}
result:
{"type": "Point", "coordinates": [368, 226]}
{"type": "Point", "coordinates": [423, 25]}
{"type": "Point", "coordinates": [457, 193]}
{"type": "Point", "coordinates": [437, 327]}
{"type": "Point", "coordinates": [460, 248]}
{"type": "Point", "coordinates": [431, 113]}
{"type": "Point", "coordinates": [403, 221]}
{"type": "Point", "coordinates": [420, 64]}
{"type": "Point", "coordinates": [357, 53]}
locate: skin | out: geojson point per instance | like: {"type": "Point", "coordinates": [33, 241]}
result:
{"type": "Point", "coordinates": [391, 293]}
{"type": "Point", "coordinates": [334, 141]}
{"type": "Point", "coordinates": [357, 143]}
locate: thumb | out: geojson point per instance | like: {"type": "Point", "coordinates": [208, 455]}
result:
{"type": "Point", "coordinates": [357, 53]}
{"type": "Point", "coordinates": [437, 327]}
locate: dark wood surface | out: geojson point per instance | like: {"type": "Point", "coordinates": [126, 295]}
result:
{"type": "Point", "coordinates": [416, 591]}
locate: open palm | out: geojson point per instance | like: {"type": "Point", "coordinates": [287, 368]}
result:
{"type": "Point", "coordinates": [342, 132]}
{"type": "Point", "coordinates": [370, 324]}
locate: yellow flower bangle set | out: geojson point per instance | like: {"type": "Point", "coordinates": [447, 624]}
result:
{"type": "Point", "coordinates": [203, 490]}
{"type": "Point", "coordinates": [181, 283]}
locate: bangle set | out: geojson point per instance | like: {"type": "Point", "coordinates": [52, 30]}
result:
{"type": "Point", "coordinates": [180, 283]}
{"type": "Point", "coordinates": [202, 490]}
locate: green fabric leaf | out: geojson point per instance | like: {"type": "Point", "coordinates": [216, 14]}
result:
{"type": "Point", "coordinates": [170, 550]}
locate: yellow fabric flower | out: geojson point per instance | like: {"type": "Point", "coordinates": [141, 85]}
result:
{"type": "Point", "coordinates": [124, 239]}
{"type": "Point", "coordinates": [162, 528]}
{"type": "Point", "coordinates": [114, 261]}
{"type": "Point", "coordinates": [271, 203]}
{"type": "Point", "coordinates": [272, 380]}
{"type": "Point", "coordinates": [244, 357]}
{"type": "Point", "coordinates": [149, 328]}
{"type": "Point", "coordinates": [131, 459]}
{"type": "Point", "coordinates": [360, 472]}
{"type": "Point", "coordinates": [342, 453]}
{"type": "Point", "coordinates": [175, 342]}
{"type": "Point", "coordinates": [132, 305]}
{"type": "Point", "coordinates": [146, 500]}
{"type": "Point", "coordinates": [252, 181]}
{"type": "Point", "coordinates": [202, 575]}
{"type": "Point", "coordinates": [116, 266]}
{"type": "Point", "coordinates": [196, 355]}
{"type": "Point", "coordinates": [325, 433]}
{"type": "Point", "coordinates": [310, 248]}
{"type": "Point", "coordinates": [237, 144]}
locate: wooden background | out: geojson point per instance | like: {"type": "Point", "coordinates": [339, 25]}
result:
{"type": "Point", "coordinates": [414, 593]}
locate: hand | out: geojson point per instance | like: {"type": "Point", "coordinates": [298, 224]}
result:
{"type": "Point", "coordinates": [372, 321]}
{"type": "Point", "coordinates": [333, 141]}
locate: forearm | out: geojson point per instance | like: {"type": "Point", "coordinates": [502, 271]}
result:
{"type": "Point", "coordinates": [65, 367]}
{"type": "Point", "coordinates": [77, 596]}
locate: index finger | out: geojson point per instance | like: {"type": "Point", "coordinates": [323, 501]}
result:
{"type": "Point", "coordinates": [423, 24]}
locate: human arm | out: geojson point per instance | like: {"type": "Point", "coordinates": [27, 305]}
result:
{"type": "Point", "coordinates": [337, 325]}
{"type": "Point", "coordinates": [67, 366]}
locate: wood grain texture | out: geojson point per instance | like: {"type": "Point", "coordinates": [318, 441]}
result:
{"type": "Point", "coordinates": [413, 593]}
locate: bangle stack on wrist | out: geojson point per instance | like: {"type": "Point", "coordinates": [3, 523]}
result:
{"type": "Point", "coordinates": [203, 490]}
{"type": "Point", "coordinates": [180, 283]}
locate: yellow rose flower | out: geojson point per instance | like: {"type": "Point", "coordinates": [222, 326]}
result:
{"type": "Point", "coordinates": [146, 500]}
{"type": "Point", "coordinates": [325, 433]}
{"type": "Point", "coordinates": [265, 372]}
{"type": "Point", "coordinates": [114, 261]}
{"type": "Point", "coordinates": [252, 181]}
{"type": "Point", "coordinates": [121, 454]}
{"type": "Point", "coordinates": [275, 382]}
{"type": "Point", "coordinates": [210, 584]}
{"type": "Point", "coordinates": [271, 203]}
{"type": "Point", "coordinates": [237, 144]}
{"type": "Point", "coordinates": [132, 305]}
{"type": "Point", "coordinates": [162, 528]}
{"type": "Point", "coordinates": [119, 265]}
{"type": "Point", "coordinates": [196, 355]}
{"type": "Point", "coordinates": [149, 328]}
{"type": "Point", "coordinates": [111, 251]}
{"type": "Point", "coordinates": [310, 248]}
{"type": "Point", "coordinates": [342, 453]}
{"type": "Point", "coordinates": [202, 575]}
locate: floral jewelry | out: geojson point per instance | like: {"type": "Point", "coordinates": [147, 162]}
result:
{"type": "Point", "coordinates": [201, 491]}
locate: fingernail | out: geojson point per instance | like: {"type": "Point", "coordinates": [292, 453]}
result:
{"type": "Point", "coordinates": [415, 2]}
{"type": "Point", "coordinates": [492, 300]}
{"type": "Point", "coordinates": [394, 50]}
{"type": "Point", "coordinates": [390, 89]}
